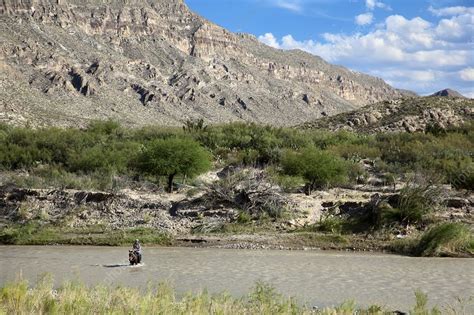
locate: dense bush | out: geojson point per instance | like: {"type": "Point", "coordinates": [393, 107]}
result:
{"type": "Point", "coordinates": [259, 145]}
{"type": "Point", "coordinates": [108, 148]}
{"type": "Point", "coordinates": [318, 168]}
{"type": "Point", "coordinates": [459, 172]}
{"type": "Point", "coordinates": [356, 152]}
{"type": "Point", "coordinates": [330, 224]}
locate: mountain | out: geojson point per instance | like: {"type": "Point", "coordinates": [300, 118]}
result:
{"type": "Point", "coordinates": [448, 93]}
{"type": "Point", "coordinates": [409, 114]}
{"type": "Point", "coordinates": [65, 62]}
{"type": "Point", "coordinates": [407, 93]}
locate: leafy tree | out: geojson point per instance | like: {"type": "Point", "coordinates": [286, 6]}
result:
{"type": "Point", "coordinates": [173, 156]}
{"type": "Point", "coordinates": [318, 168]}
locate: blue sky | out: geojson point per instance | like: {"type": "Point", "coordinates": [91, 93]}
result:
{"type": "Point", "coordinates": [421, 45]}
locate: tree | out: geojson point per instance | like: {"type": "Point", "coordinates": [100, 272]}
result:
{"type": "Point", "coordinates": [173, 156]}
{"type": "Point", "coordinates": [318, 168]}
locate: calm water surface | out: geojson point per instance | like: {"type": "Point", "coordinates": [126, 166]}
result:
{"type": "Point", "coordinates": [314, 277]}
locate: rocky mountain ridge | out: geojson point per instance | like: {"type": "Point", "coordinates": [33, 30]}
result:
{"type": "Point", "coordinates": [403, 115]}
{"type": "Point", "coordinates": [65, 62]}
{"type": "Point", "coordinates": [448, 93]}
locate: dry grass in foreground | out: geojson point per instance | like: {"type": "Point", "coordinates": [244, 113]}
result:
{"type": "Point", "coordinates": [75, 298]}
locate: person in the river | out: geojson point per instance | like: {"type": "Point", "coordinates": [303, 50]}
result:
{"type": "Point", "coordinates": [137, 248]}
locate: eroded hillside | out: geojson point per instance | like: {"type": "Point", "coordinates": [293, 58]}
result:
{"type": "Point", "coordinates": [409, 114]}
{"type": "Point", "coordinates": [148, 61]}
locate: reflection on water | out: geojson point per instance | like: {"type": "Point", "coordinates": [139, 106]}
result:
{"type": "Point", "coordinates": [316, 278]}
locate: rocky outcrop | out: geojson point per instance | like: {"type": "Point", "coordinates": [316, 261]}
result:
{"type": "Point", "coordinates": [410, 115]}
{"type": "Point", "coordinates": [86, 208]}
{"type": "Point", "coordinates": [78, 60]}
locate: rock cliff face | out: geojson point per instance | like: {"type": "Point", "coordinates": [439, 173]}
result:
{"type": "Point", "coordinates": [65, 62]}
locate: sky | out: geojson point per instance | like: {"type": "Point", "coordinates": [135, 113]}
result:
{"type": "Point", "coordinates": [419, 45]}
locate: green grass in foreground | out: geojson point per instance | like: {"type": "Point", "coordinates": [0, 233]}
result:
{"type": "Point", "coordinates": [34, 233]}
{"type": "Point", "coordinates": [76, 298]}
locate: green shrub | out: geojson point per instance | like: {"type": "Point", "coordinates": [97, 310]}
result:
{"type": "Point", "coordinates": [150, 133]}
{"type": "Point", "coordinates": [330, 224]}
{"type": "Point", "coordinates": [459, 173]}
{"type": "Point", "coordinates": [107, 127]}
{"type": "Point", "coordinates": [244, 217]}
{"type": "Point", "coordinates": [107, 147]}
{"type": "Point", "coordinates": [51, 176]}
{"type": "Point", "coordinates": [356, 152]}
{"type": "Point", "coordinates": [171, 157]}
{"type": "Point", "coordinates": [356, 173]}
{"type": "Point", "coordinates": [287, 183]}
{"type": "Point", "coordinates": [318, 168]}
{"type": "Point", "coordinates": [194, 126]}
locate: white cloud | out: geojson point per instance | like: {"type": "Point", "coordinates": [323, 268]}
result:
{"type": "Point", "coordinates": [364, 19]}
{"type": "Point", "coordinates": [467, 74]}
{"type": "Point", "coordinates": [418, 75]}
{"type": "Point", "coordinates": [457, 28]}
{"type": "Point", "coordinates": [469, 94]}
{"type": "Point", "coordinates": [372, 4]}
{"type": "Point", "coordinates": [450, 11]}
{"type": "Point", "coordinates": [409, 33]}
{"type": "Point", "coordinates": [417, 80]}
{"type": "Point", "coordinates": [269, 40]}
{"type": "Point", "coordinates": [408, 53]}
{"type": "Point", "coordinates": [292, 5]}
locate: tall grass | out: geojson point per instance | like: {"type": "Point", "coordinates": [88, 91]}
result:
{"type": "Point", "coordinates": [75, 298]}
{"type": "Point", "coordinates": [415, 202]}
{"type": "Point", "coordinates": [446, 239]}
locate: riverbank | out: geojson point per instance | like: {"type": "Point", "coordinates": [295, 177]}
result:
{"type": "Point", "coordinates": [97, 236]}
{"type": "Point", "coordinates": [335, 219]}
{"type": "Point", "coordinates": [34, 234]}
{"type": "Point", "coordinates": [261, 187]}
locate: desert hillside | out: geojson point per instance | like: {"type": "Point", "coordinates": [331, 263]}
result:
{"type": "Point", "coordinates": [409, 114]}
{"type": "Point", "coordinates": [156, 62]}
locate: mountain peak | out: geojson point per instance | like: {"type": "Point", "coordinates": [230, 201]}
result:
{"type": "Point", "coordinates": [149, 61]}
{"type": "Point", "coordinates": [448, 93]}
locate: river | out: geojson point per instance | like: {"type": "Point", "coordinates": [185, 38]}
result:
{"type": "Point", "coordinates": [317, 278]}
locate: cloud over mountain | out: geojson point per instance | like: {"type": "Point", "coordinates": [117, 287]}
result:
{"type": "Point", "coordinates": [410, 53]}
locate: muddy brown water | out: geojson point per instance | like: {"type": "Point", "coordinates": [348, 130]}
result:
{"type": "Point", "coordinates": [316, 278]}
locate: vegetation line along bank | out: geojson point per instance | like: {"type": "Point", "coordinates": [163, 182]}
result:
{"type": "Point", "coordinates": [264, 173]}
